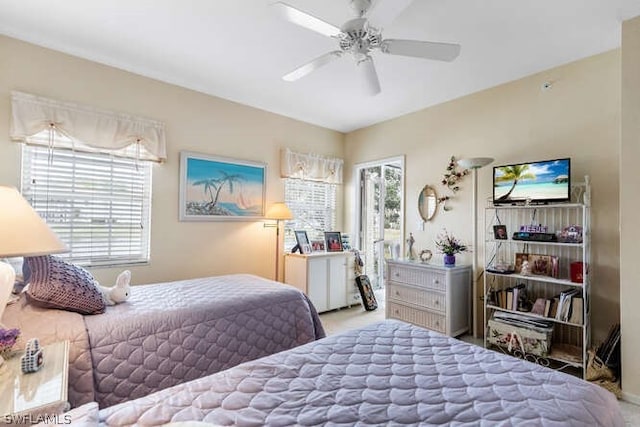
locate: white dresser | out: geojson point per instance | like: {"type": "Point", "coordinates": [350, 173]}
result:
{"type": "Point", "coordinates": [326, 277]}
{"type": "Point", "coordinates": [429, 295]}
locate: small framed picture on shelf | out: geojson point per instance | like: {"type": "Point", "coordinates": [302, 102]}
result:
{"type": "Point", "coordinates": [317, 245]}
{"type": "Point", "coordinates": [303, 241]}
{"type": "Point", "coordinates": [332, 241]}
{"type": "Point", "coordinates": [500, 232]}
{"type": "Point", "coordinates": [536, 264]}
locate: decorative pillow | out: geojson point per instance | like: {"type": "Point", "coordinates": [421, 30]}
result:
{"type": "Point", "coordinates": [54, 283]}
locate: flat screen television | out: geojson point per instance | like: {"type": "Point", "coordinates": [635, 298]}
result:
{"type": "Point", "coordinates": [546, 181]}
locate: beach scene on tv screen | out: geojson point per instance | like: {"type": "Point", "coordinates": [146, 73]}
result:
{"type": "Point", "coordinates": [548, 180]}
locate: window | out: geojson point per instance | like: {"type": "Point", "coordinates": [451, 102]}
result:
{"type": "Point", "coordinates": [313, 205]}
{"type": "Point", "coordinates": [98, 204]}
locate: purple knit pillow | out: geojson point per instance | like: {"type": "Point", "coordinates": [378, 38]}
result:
{"type": "Point", "coordinates": [54, 283]}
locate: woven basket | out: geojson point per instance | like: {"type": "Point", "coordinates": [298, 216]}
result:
{"type": "Point", "coordinates": [612, 386]}
{"type": "Point", "coordinates": [597, 370]}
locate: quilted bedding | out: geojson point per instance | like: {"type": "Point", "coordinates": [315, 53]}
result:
{"type": "Point", "coordinates": [168, 333]}
{"type": "Point", "coordinates": [387, 373]}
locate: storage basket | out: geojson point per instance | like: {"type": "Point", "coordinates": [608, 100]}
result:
{"type": "Point", "coordinates": [596, 369]}
{"type": "Point", "coordinates": [536, 341]}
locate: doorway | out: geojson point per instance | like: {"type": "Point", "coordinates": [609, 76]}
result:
{"type": "Point", "coordinates": [380, 216]}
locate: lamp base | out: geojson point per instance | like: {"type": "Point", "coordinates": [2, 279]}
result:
{"type": "Point", "coordinates": [7, 279]}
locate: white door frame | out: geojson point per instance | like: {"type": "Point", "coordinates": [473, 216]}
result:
{"type": "Point", "coordinates": [357, 169]}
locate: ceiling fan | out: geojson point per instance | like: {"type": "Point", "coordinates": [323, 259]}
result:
{"type": "Point", "coordinates": [358, 38]}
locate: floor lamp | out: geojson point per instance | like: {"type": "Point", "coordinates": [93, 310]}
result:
{"type": "Point", "coordinates": [278, 212]}
{"type": "Point", "coordinates": [474, 164]}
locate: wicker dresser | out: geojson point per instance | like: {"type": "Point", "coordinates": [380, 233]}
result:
{"type": "Point", "coordinates": [428, 295]}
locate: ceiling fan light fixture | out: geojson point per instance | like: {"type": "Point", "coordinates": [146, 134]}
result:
{"type": "Point", "coordinates": [360, 39]}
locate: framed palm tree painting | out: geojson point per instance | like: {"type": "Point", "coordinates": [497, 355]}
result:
{"type": "Point", "coordinates": [219, 188]}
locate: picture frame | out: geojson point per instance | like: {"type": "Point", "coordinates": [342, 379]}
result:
{"type": "Point", "coordinates": [538, 265]}
{"type": "Point", "coordinates": [332, 241]}
{"type": "Point", "coordinates": [500, 232]}
{"type": "Point", "coordinates": [303, 241]}
{"type": "Point", "coordinates": [317, 245]}
{"type": "Point", "coordinates": [214, 188]}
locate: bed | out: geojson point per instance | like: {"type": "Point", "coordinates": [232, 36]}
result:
{"type": "Point", "coordinates": [169, 333]}
{"type": "Point", "coordinates": [386, 373]}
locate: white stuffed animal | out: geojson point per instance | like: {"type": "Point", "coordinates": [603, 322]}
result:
{"type": "Point", "coordinates": [120, 291]}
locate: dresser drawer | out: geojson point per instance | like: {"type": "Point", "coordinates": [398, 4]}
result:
{"type": "Point", "coordinates": [418, 277]}
{"type": "Point", "coordinates": [421, 297]}
{"type": "Point", "coordinates": [426, 319]}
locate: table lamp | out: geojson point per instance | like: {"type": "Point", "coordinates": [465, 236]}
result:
{"type": "Point", "coordinates": [278, 211]}
{"type": "Point", "coordinates": [22, 233]}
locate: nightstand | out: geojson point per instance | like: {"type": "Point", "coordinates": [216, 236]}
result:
{"type": "Point", "coordinates": [27, 396]}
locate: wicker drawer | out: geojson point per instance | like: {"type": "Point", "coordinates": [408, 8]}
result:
{"type": "Point", "coordinates": [418, 277]}
{"type": "Point", "coordinates": [423, 298]}
{"type": "Point", "coordinates": [426, 319]}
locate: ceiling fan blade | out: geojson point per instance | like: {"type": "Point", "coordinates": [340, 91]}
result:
{"type": "Point", "coordinates": [312, 66]}
{"type": "Point", "coordinates": [305, 20]}
{"type": "Point", "coordinates": [368, 71]}
{"type": "Point", "coordinates": [384, 12]}
{"type": "Point", "coordinates": [420, 49]}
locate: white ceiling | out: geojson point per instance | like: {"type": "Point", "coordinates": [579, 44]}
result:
{"type": "Point", "coordinates": [239, 49]}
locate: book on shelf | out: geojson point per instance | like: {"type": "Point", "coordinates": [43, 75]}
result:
{"type": "Point", "coordinates": [577, 310]}
{"type": "Point", "coordinates": [509, 293]}
{"type": "Point", "coordinates": [554, 306]}
{"type": "Point", "coordinates": [564, 304]}
{"type": "Point", "coordinates": [538, 307]}
{"type": "Point", "coordinates": [518, 290]}
{"type": "Point", "coordinates": [547, 306]}
{"type": "Point", "coordinates": [502, 298]}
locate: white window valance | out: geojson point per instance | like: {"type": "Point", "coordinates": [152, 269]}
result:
{"type": "Point", "coordinates": [85, 127]}
{"type": "Point", "coordinates": [311, 167]}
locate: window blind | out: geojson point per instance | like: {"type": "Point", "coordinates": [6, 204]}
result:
{"type": "Point", "coordinates": [98, 204]}
{"type": "Point", "coordinates": [313, 205]}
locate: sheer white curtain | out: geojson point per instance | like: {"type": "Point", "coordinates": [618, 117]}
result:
{"type": "Point", "coordinates": [85, 128]}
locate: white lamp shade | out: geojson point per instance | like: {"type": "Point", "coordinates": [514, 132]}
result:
{"type": "Point", "coordinates": [475, 162]}
{"type": "Point", "coordinates": [22, 231]}
{"type": "Point", "coordinates": [279, 211]}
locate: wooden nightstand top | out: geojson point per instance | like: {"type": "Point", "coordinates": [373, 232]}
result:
{"type": "Point", "coordinates": [44, 391]}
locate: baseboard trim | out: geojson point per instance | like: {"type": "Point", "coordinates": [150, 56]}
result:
{"type": "Point", "coordinates": [631, 398]}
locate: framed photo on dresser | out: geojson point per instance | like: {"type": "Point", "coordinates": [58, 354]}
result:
{"type": "Point", "coordinates": [303, 241]}
{"type": "Point", "coordinates": [333, 241]}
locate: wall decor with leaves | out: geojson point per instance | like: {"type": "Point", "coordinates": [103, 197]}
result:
{"type": "Point", "coordinates": [451, 179]}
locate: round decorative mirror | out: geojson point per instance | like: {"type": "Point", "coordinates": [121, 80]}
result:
{"type": "Point", "coordinates": [427, 202]}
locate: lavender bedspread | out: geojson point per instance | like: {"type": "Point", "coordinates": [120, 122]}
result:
{"type": "Point", "coordinates": [389, 373]}
{"type": "Point", "coordinates": [169, 333]}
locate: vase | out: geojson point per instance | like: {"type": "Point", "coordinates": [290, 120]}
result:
{"type": "Point", "coordinates": [449, 260]}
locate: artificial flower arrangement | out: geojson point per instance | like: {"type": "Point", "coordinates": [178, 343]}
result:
{"type": "Point", "coordinates": [449, 245]}
{"type": "Point", "coordinates": [450, 179]}
{"type": "Point", "coordinates": [453, 175]}
{"type": "Point", "coordinates": [8, 338]}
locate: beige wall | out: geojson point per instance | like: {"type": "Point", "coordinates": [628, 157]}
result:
{"type": "Point", "coordinates": [194, 122]}
{"type": "Point", "coordinates": [629, 208]}
{"type": "Point", "coordinates": [578, 117]}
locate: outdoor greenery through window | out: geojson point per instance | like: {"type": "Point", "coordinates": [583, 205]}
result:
{"type": "Point", "coordinates": [313, 205]}
{"type": "Point", "coordinates": [98, 204]}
